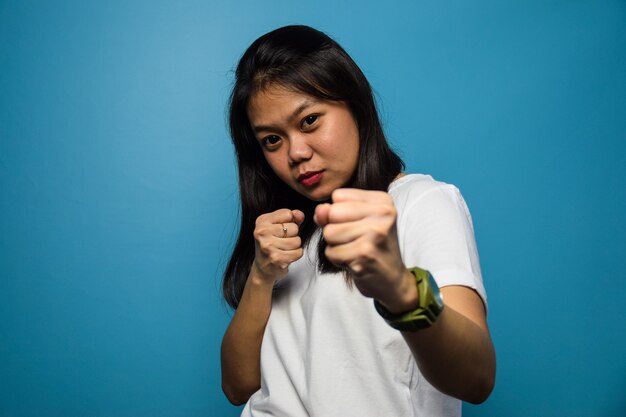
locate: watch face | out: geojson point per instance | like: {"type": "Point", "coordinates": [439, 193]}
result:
{"type": "Point", "coordinates": [435, 289]}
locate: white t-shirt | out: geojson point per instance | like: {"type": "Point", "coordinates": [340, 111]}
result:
{"type": "Point", "coordinates": [326, 352]}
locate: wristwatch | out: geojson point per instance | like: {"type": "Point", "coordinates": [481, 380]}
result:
{"type": "Point", "coordinates": [429, 308]}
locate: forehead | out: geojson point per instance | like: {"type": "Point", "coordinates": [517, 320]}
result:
{"type": "Point", "coordinates": [273, 103]}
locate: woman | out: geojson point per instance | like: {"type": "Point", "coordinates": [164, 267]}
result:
{"type": "Point", "coordinates": [328, 222]}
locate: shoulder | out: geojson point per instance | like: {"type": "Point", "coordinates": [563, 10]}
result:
{"type": "Point", "coordinates": [411, 188]}
{"type": "Point", "coordinates": [436, 232]}
{"type": "Point", "coordinates": [431, 200]}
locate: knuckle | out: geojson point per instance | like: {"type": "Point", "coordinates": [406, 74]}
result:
{"type": "Point", "coordinates": [261, 219]}
{"type": "Point", "coordinates": [388, 210]}
{"type": "Point", "coordinates": [356, 268]}
{"type": "Point", "coordinates": [329, 252]}
{"type": "Point", "coordinates": [331, 213]}
{"type": "Point", "coordinates": [379, 232]}
{"type": "Point", "coordinates": [260, 232]}
{"type": "Point", "coordinates": [327, 233]}
{"type": "Point", "coordinates": [284, 213]}
{"type": "Point", "coordinates": [265, 246]}
{"type": "Point", "coordinates": [367, 250]}
{"type": "Point", "coordinates": [274, 257]}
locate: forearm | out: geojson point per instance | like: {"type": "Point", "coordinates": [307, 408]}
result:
{"type": "Point", "coordinates": [241, 345]}
{"type": "Point", "coordinates": [456, 356]}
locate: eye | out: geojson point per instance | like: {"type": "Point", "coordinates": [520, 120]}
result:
{"type": "Point", "coordinates": [270, 141]}
{"type": "Point", "coordinates": [309, 120]}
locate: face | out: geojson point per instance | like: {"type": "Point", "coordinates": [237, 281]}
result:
{"type": "Point", "coordinates": [311, 144]}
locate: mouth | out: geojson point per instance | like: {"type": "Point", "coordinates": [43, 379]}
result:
{"type": "Point", "coordinates": [310, 178]}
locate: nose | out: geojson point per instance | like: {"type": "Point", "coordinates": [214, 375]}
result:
{"type": "Point", "coordinates": [299, 149]}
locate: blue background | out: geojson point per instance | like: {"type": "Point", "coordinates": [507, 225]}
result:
{"type": "Point", "coordinates": [119, 203]}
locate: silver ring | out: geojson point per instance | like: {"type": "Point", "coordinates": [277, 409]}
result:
{"type": "Point", "coordinates": [284, 230]}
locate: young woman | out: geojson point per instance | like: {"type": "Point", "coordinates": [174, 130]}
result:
{"type": "Point", "coordinates": [328, 223]}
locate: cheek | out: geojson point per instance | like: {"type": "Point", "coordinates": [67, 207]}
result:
{"type": "Point", "coordinates": [278, 164]}
{"type": "Point", "coordinates": [347, 130]}
{"type": "Point", "coordinates": [350, 144]}
{"type": "Point", "coordinates": [339, 139]}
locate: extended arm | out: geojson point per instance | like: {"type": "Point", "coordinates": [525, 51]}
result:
{"type": "Point", "coordinates": [456, 354]}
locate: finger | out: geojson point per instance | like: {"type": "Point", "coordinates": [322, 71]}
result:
{"type": "Point", "coordinates": [342, 233]}
{"type": "Point", "coordinates": [298, 217]}
{"type": "Point", "coordinates": [350, 211]}
{"type": "Point", "coordinates": [285, 230]}
{"type": "Point", "coordinates": [321, 214]}
{"type": "Point", "coordinates": [355, 194]}
{"type": "Point", "coordinates": [287, 244]}
{"type": "Point", "coordinates": [277, 217]}
{"type": "Point", "coordinates": [354, 252]}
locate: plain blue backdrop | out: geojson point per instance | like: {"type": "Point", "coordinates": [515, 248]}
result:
{"type": "Point", "coordinates": [119, 202]}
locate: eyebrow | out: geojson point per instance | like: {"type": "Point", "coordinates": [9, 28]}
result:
{"type": "Point", "coordinates": [303, 106]}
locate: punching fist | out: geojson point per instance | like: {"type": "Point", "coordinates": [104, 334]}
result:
{"type": "Point", "coordinates": [360, 231]}
{"type": "Point", "coordinates": [277, 243]}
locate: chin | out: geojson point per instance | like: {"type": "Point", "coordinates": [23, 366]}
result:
{"type": "Point", "coordinates": [320, 199]}
{"type": "Point", "coordinates": [315, 195]}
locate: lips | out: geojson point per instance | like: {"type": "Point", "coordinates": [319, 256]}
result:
{"type": "Point", "coordinates": [310, 178]}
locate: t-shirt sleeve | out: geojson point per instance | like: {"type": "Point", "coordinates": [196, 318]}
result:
{"type": "Point", "coordinates": [436, 233]}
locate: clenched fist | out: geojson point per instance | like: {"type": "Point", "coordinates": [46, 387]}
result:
{"type": "Point", "coordinates": [360, 231]}
{"type": "Point", "coordinates": [277, 243]}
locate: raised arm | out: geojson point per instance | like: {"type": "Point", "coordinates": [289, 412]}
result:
{"type": "Point", "coordinates": [277, 245]}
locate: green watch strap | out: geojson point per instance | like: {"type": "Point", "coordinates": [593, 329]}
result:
{"type": "Point", "coordinates": [429, 308]}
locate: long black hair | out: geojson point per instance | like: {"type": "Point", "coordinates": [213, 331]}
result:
{"type": "Point", "coordinates": [308, 61]}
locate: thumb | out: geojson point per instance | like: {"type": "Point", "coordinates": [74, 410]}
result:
{"type": "Point", "coordinates": [298, 217]}
{"type": "Point", "coordinates": [321, 214]}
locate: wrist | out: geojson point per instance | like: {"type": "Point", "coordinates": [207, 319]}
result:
{"type": "Point", "coordinates": [430, 305]}
{"type": "Point", "coordinates": [258, 279]}
{"type": "Point", "coordinates": [406, 296]}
